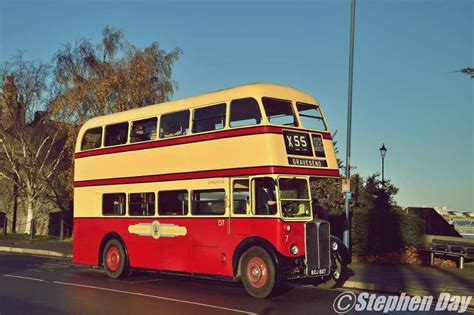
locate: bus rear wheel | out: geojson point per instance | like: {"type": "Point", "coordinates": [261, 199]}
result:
{"type": "Point", "coordinates": [258, 272]}
{"type": "Point", "coordinates": [115, 259]}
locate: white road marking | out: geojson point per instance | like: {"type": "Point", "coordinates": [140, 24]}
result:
{"type": "Point", "coordinates": [155, 297]}
{"type": "Point", "coordinates": [24, 278]}
{"type": "Point", "coordinates": [142, 281]}
{"type": "Point", "coordinates": [49, 265]}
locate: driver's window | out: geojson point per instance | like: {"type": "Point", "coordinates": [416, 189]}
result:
{"type": "Point", "coordinates": [264, 192]}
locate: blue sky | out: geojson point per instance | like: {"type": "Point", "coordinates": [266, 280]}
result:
{"type": "Point", "coordinates": [404, 93]}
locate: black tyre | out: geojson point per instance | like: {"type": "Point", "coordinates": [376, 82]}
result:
{"type": "Point", "coordinates": [339, 274]}
{"type": "Point", "coordinates": [115, 259]}
{"type": "Point", "coordinates": [258, 272]}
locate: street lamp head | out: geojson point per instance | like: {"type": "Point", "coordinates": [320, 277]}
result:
{"type": "Point", "coordinates": [383, 150]}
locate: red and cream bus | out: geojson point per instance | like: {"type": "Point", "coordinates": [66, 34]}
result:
{"type": "Point", "coordinates": [216, 184]}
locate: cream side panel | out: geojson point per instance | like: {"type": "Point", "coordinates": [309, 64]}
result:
{"type": "Point", "coordinates": [256, 150]}
{"type": "Point", "coordinates": [330, 154]}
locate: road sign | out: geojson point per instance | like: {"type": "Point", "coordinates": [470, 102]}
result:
{"type": "Point", "coordinates": [348, 195]}
{"type": "Point", "coordinates": [346, 185]}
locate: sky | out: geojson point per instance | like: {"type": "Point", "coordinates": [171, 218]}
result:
{"type": "Point", "coordinates": [405, 94]}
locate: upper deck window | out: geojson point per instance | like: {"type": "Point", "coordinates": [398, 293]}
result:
{"type": "Point", "coordinates": [209, 118]}
{"type": "Point", "coordinates": [311, 117]}
{"type": "Point", "coordinates": [244, 112]}
{"type": "Point", "coordinates": [116, 134]}
{"type": "Point", "coordinates": [143, 130]}
{"type": "Point", "coordinates": [92, 139]}
{"type": "Point", "coordinates": [174, 124]}
{"type": "Point", "coordinates": [279, 112]}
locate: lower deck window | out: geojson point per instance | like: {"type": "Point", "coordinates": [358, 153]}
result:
{"type": "Point", "coordinates": [141, 204]}
{"type": "Point", "coordinates": [173, 202]}
{"type": "Point", "coordinates": [113, 204]}
{"type": "Point", "coordinates": [208, 202]}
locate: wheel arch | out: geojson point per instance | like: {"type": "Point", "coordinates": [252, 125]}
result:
{"type": "Point", "coordinates": [105, 239]}
{"type": "Point", "coordinates": [342, 250]}
{"type": "Point", "coordinates": [250, 242]}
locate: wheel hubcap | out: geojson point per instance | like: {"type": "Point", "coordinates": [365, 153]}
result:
{"type": "Point", "coordinates": [257, 272]}
{"type": "Point", "coordinates": [113, 258]}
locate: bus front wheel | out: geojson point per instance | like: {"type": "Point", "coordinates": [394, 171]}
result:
{"type": "Point", "coordinates": [258, 272]}
{"type": "Point", "coordinates": [115, 259]}
{"type": "Point", "coordinates": [339, 274]}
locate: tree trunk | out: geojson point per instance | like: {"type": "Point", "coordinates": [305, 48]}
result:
{"type": "Point", "coordinates": [29, 216]}
{"type": "Point", "coordinates": [15, 207]}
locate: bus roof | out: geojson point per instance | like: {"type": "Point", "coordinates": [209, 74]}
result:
{"type": "Point", "coordinates": [256, 90]}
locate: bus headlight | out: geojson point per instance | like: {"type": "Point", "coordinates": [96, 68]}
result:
{"type": "Point", "coordinates": [334, 246]}
{"type": "Point", "coordinates": [294, 249]}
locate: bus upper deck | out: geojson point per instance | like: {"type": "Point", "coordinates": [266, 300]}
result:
{"type": "Point", "coordinates": [248, 130]}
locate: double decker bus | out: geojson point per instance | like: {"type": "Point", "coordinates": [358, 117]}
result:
{"type": "Point", "coordinates": [216, 184]}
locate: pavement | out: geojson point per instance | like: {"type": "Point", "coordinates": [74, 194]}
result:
{"type": "Point", "coordinates": [54, 248]}
{"type": "Point", "coordinates": [386, 278]}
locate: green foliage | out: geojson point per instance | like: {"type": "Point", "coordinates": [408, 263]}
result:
{"type": "Point", "coordinates": [378, 224]}
{"type": "Point", "coordinates": [360, 232]}
{"type": "Point", "coordinates": [412, 227]}
{"type": "Point", "coordinates": [327, 192]}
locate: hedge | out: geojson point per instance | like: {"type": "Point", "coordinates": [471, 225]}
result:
{"type": "Point", "coordinates": [377, 232]}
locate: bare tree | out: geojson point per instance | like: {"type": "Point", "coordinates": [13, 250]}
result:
{"type": "Point", "coordinates": [31, 146]}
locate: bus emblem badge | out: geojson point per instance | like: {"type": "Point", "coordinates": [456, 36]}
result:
{"type": "Point", "coordinates": [157, 229]}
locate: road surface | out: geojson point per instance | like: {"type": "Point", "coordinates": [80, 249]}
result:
{"type": "Point", "coordinates": [45, 285]}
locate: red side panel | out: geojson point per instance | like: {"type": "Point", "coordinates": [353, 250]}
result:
{"type": "Point", "coordinates": [207, 247]}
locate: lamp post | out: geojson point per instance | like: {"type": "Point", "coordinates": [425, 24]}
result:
{"type": "Point", "coordinates": [346, 234]}
{"type": "Point", "coordinates": [383, 151]}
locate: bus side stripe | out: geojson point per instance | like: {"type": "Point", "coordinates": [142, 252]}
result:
{"type": "Point", "coordinates": [192, 139]}
{"type": "Point", "coordinates": [246, 171]}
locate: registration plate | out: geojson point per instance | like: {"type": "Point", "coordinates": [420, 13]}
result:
{"type": "Point", "coordinates": [318, 272]}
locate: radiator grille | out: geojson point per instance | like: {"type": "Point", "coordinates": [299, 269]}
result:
{"type": "Point", "coordinates": [318, 261]}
